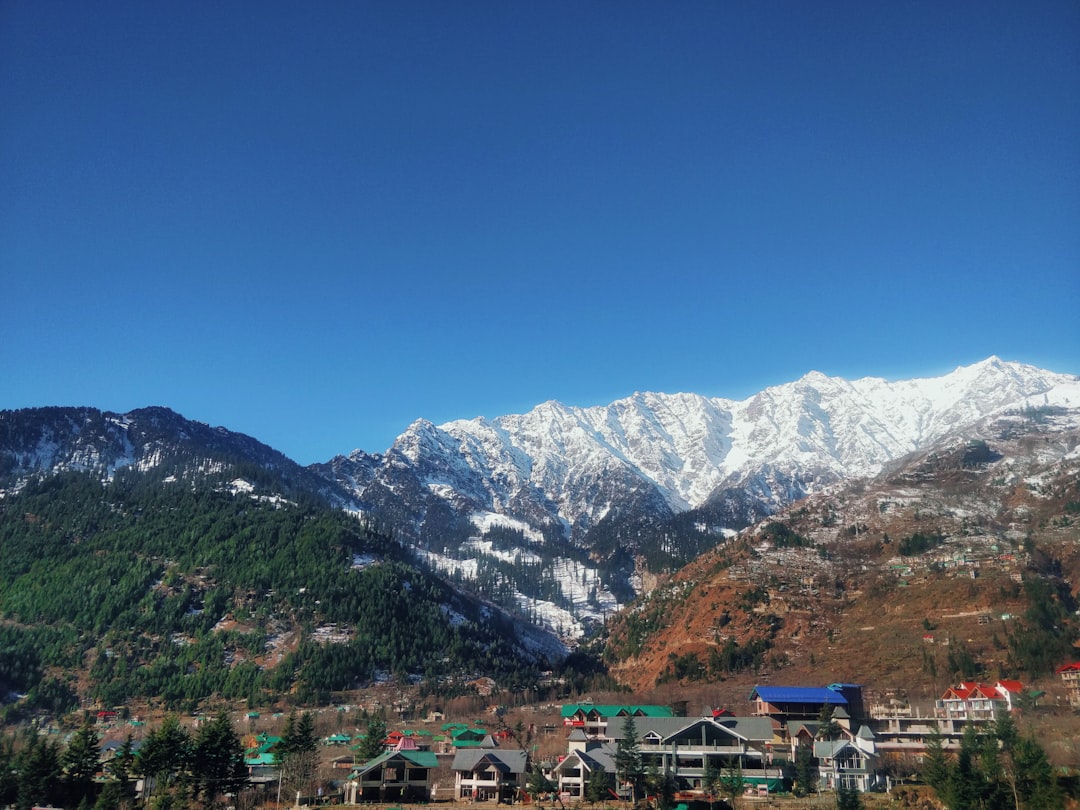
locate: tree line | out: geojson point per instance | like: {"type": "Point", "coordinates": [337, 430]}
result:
{"type": "Point", "coordinates": [136, 579]}
{"type": "Point", "coordinates": [177, 767]}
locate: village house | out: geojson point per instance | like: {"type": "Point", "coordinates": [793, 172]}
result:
{"type": "Point", "coordinates": [688, 748]}
{"type": "Point", "coordinates": [786, 703]}
{"type": "Point", "coordinates": [458, 736]}
{"type": "Point", "coordinates": [851, 762]}
{"type": "Point", "coordinates": [261, 761]}
{"type": "Point", "coordinates": [801, 734]}
{"type": "Point", "coordinates": [1070, 677]}
{"type": "Point", "coordinates": [584, 758]}
{"type": "Point", "coordinates": [422, 739]}
{"type": "Point", "coordinates": [343, 762]}
{"type": "Point", "coordinates": [488, 773]}
{"type": "Point", "coordinates": [593, 719]}
{"type": "Point", "coordinates": [402, 774]}
{"type": "Point", "coordinates": [976, 702]}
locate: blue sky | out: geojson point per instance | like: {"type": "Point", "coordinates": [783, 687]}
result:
{"type": "Point", "coordinates": [316, 222]}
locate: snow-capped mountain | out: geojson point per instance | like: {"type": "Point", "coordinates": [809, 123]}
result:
{"type": "Point", "coordinates": [616, 477]}
{"type": "Point", "coordinates": [156, 440]}
{"type": "Point", "coordinates": [814, 431]}
{"type": "Point", "coordinates": [562, 513]}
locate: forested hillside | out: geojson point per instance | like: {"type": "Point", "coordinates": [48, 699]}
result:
{"type": "Point", "coordinates": [149, 587]}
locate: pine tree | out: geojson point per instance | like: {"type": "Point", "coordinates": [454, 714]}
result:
{"type": "Point", "coordinates": [661, 784]}
{"type": "Point", "coordinates": [122, 766]}
{"type": "Point", "coordinates": [110, 796]}
{"type": "Point", "coordinates": [805, 770]}
{"type": "Point", "coordinates": [373, 744]}
{"type": "Point", "coordinates": [165, 755]}
{"type": "Point", "coordinates": [598, 786]}
{"type": "Point", "coordinates": [828, 728]}
{"type": "Point", "coordinates": [297, 752]}
{"type": "Point", "coordinates": [305, 733]}
{"type": "Point", "coordinates": [995, 789]}
{"type": "Point", "coordinates": [39, 769]}
{"type": "Point", "coordinates": [218, 759]}
{"type": "Point", "coordinates": [9, 782]}
{"type": "Point", "coordinates": [965, 785]}
{"type": "Point", "coordinates": [848, 798]}
{"type": "Point", "coordinates": [628, 768]}
{"type": "Point", "coordinates": [81, 761]}
{"type": "Point", "coordinates": [1005, 731]}
{"type": "Point", "coordinates": [710, 780]}
{"type": "Point", "coordinates": [936, 767]}
{"type": "Point", "coordinates": [1035, 781]}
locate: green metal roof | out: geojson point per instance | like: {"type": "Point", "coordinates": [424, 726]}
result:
{"type": "Point", "coordinates": [468, 732]}
{"type": "Point", "coordinates": [615, 709]}
{"type": "Point", "coordinates": [421, 759]}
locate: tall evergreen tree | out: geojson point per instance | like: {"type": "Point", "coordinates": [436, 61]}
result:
{"type": "Point", "coordinates": [598, 786]}
{"type": "Point", "coordinates": [374, 742]}
{"type": "Point", "coordinates": [81, 760]}
{"type": "Point", "coordinates": [217, 759]}
{"type": "Point", "coordinates": [828, 728]}
{"type": "Point", "coordinates": [305, 733]}
{"type": "Point", "coordinates": [965, 786]}
{"type": "Point", "coordinates": [164, 758]}
{"type": "Point", "coordinates": [538, 785]}
{"type": "Point", "coordinates": [661, 785]}
{"type": "Point", "coordinates": [110, 796]}
{"type": "Point", "coordinates": [628, 767]}
{"type": "Point", "coordinates": [805, 770]}
{"type": "Point", "coordinates": [995, 789]}
{"type": "Point", "coordinates": [9, 775]}
{"type": "Point", "coordinates": [936, 766]}
{"type": "Point", "coordinates": [39, 771]}
{"type": "Point", "coordinates": [710, 781]}
{"type": "Point", "coordinates": [1005, 731]}
{"type": "Point", "coordinates": [297, 753]}
{"type": "Point", "coordinates": [1035, 783]}
{"type": "Point", "coordinates": [122, 767]}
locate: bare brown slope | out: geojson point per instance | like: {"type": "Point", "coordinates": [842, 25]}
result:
{"type": "Point", "coordinates": [836, 599]}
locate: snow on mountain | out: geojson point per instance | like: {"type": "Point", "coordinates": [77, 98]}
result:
{"type": "Point", "coordinates": [605, 477]}
{"type": "Point", "coordinates": [582, 499]}
{"type": "Point", "coordinates": [47, 441]}
{"type": "Point", "coordinates": [818, 428]}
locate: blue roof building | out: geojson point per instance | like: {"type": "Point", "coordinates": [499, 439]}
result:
{"type": "Point", "coordinates": [806, 702]}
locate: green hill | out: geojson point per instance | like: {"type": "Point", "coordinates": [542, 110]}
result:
{"type": "Point", "coordinates": [149, 587]}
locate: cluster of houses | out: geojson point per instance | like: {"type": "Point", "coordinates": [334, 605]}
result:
{"type": "Point", "coordinates": [485, 766]}
{"type": "Point", "coordinates": [850, 745]}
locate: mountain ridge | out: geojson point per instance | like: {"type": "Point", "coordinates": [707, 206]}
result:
{"type": "Point", "coordinates": [688, 446]}
{"type": "Point", "coordinates": [613, 493]}
{"type": "Point", "coordinates": [650, 481]}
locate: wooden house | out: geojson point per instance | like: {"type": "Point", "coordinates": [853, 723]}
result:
{"type": "Point", "coordinates": [489, 773]}
{"type": "Point", "coordinates": [402, 774]}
